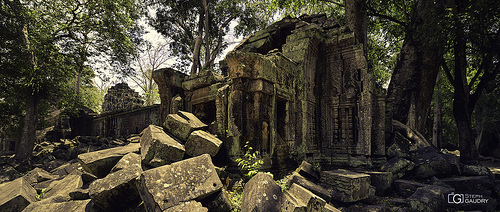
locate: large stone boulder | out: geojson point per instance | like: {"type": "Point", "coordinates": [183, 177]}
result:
{"type": "Point", "coordinates": [201, 142]}
{"type": "Point", "coordinates": [297, 198]}
{"type": "Point", "coordinates": [428, 199]}
{"type": "Point", "coordinates": [191, 206]}
{"type": "Point", "coordinates": [38, 175]}
{"type": "Point", "coordinates": [73, 206]}
{"type": "Point", "coordinates": [16, 195]}
{"type": "Point", "coordinates": [430, 163]}
{"type": "Point", "coordinates": [406, 188]}
{"type": "Point", "coordinates": [129, 160]}
{"type": "Point", "coordinates": [117, 191]}
{"type": "Point", "coordinates": [167, 186]}
{"type": "Point", "coordinates": [218, 201]}
{"type": "Point", "coordinates": [261, 193]}
{"type": "Point", "coordinates": [182, 124]}
{"type": "Point", "coordinates": [321, 191]}
{"type": "Point", "coordinates": [398, 166]}
{"type": "Point", "coordinates": [306, 169]}
{"type": "Point", "coordinates": [382, 181]}
{"type": "Point", "coordinates": [101, 162]}
{"type": "Point", "coordinates": [158, 148]}
{"type": "Point", "coordinates": [347, 186]}
{"type": "Point", "coordinates": [64, 186]}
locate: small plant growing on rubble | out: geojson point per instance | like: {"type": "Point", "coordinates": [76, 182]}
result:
{"type": "Point", "coordinates": [250, 162]}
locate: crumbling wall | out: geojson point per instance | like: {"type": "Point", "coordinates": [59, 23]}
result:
{"type": "Point", "coordinates": [121, 97]}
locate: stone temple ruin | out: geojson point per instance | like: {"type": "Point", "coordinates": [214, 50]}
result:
{"type": "Point", "coordinates": [300, 89]}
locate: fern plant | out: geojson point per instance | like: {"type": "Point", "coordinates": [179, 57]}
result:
{"type": "Point", "coordinates": [250, 163]}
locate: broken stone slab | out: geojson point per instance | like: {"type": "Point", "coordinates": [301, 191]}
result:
{"type": "Point", "coordinates": [130, 159]}
{"type": "Point", "coordinates": [66, 168]}
{"type": "Point", "coordinates": [201, 142]}
{"type": "Point", "coordinates": [64, 186]}
{"type": "Point", "coordinates": [347, 186]}
{"type": "Point", "coordinates": [182, 124]}
{"type": "Point", "coordinates": [187, 206]}
{"type": "Point", "coordinates": [261, 193]}
{"type": "Point", "coordinates": [469, 183]}
{"type": "Point", "coordinates": [166, 186]}
{"type": "Point", "coordinates": [330, 208]}
{"type": "Point", "coordinates": [202, 79]}
{"type": "Point", "coordinates": [430, 164]}
{"type": "Point", "coordinates": [406, 188]}
{"type": "Point", "coordinates": [304, 198]}
{"type": "Point", "coordinates": [477, 170]}
{"type": "Point", "coordinates": [382, 181]}
{"type": "Point", "coordinates": [38, 175]}
{"type": "Point", "coordinates": [428, 198]}
{"type": "Point", "coordinates": [74, 206]}
{"type": "Point", "coordinates": [8, 173]}
{"type": "Point", "coordinates": [306, 169]}
{"type": "Point", "coordinates": [101, 162]}
{"type": "Point", "coordinates": [315, 188]}
{"type": "Point", "coordinates": [80, 194]}
{"type": "Point", "coordinates": [158, 148]}
{"type": "Point", "coordinates": [16, 195]}
{"type": "Point", "coordinates": [218, 201]}
{"type": "Point", "coordinates": [398, 166]}
{"type": "Point", "coordinates": [117, 191]}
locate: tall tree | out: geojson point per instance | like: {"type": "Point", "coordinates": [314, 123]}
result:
{"type": "Point", "coordinates": [52, 36]}
{"type": "Point", "coordinates": [192, 23]}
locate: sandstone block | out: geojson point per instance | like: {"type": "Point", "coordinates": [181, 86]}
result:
{"type": "Point", "coordinates": [261, 193]}
{"type": "Point", "coordinates": [201, 142]}
{"type": "Point", "coordinates": [64, 186]}
{"type": "Point", "coordinates": [130, 159]}
{"type": "Point", "coordinates": [182, 124]}
{"type": "Point", "coordinates": [321, 191]}
{"type": "Point", "coordinates": [74, 206]}
{"type": "Point", "coordinates": [158, 148]}
{"type": "Point", "coordinates": [347, 186]}
{"type": "Point", "coordinates": [101, 162]}
{"type": "Point", "coordinates": [16, 195]}
{"type": "Point", "coordinates": [382, 181]}
{"type": "Point", "coordinates": [406, 188]}
{"type": "Point", "coordinates": [167, 186]}
{"type": "Point", "coordinates": [117, 191]}
{"type": "Point", "coordinates": [398, 167]}
{"type": "Point", "coordinates": [218, 201]}
{"type": "Point", "coordinates": [38, 175]}
{"type": "Point", "coordinates": [428, 198]}
{"type": "Point", "coordinates": [303, 198]}
{"type": "Point", "coordinates": [306, 169]}
{"type": "Point", "coordinates": [191, 206]}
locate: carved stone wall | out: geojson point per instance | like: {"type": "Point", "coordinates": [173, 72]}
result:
{"type": "Point", "coordinates": [121, 97]}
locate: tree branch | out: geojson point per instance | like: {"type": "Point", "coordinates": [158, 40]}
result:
{"type": "Point", "coordinates": [447, 71]}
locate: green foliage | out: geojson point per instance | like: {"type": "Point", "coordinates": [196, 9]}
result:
{"type": "Point", "coordinates": [235, 197]}
{"type": "Point", "coordinates": [39, 196]}
{"type": "Point", "coordinates": [250, 163]}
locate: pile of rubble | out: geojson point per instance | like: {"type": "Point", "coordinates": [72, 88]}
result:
{"type": "Point", "coordinates": [158, 170]}
{"type": "Point", "coordinates": [121, 97]}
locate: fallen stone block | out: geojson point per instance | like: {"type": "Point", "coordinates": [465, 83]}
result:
{"type": "Point", "coordinates": [382, 181]}
{"type": "Point", "coordinates": [347, 186]}
{"type": "Point", "coordinates": [477, 170]}
{"type": "Point", "coordinates": [117, 191]}
{"type": "Point", "coordinates": [218, 202]}
{"type": "Point", "coordinates": [130, 159]}
{"type": "Point", "coordinates": [330, 208]}
{"type": "Point", "coordinates": [398, 166]}
{"type": "Point", "coordinates": [167, 186]}
{"type": "Point", "coordinates": [406, 188]}
{"type": "Point", "coordinates": [428, 198]}
{"type": "Point", "coordinates": [16, 195]}
{"type": "Point", "coordinates": [8, 173]}
{"type": "Point", "coordinates": [66, 168]}
{"type": "Point", "coordinates": [64, 186]}
{"type": "Point", "coordinates": [101, 162]}
{"type": "Point", "coordinates": [292, 204]}
{"type": "Point", "coordinates": [201, 142]}
{"type": "Point", "coordinates": [306, 169]}
{"type": "Point", "coordinates": [187, 206]}
{"type": "Point", "coordinates": [430, 164]}
{"type": "Point", "coordinates": [469, 183]}
{"type": "Point", "coordinates": [182, 124]}
{"type": "Point", "coordinates": [261, 193]}
{"type": "Point", "coordinates": [80, 194]}
{"type": "Point", "coordinates": [74, 206]}
{"type": "Point", "coordinates": [315, 188]}
{"type": "Point", "coordinates": [158, 148]}
{"type": "Point", "coordinates": [306, 198]}
{"type": "Point", "coordinates": [38, 175]}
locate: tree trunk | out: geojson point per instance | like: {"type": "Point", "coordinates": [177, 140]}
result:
{"type": "Point", "coordinates": [207, 36]}
{"type": "Point", "coordinates": [413, 80]}
{"type": "Point", "coordinates": [437, 129]}
{"type": "Point", "coordinates": [356, 18]}
{"type": "Point", "coordinates": [25, 148]}
{"type": "Point", "coordinates": [77, 82]}
{"type": "Point", "coordinates": [197, 47]}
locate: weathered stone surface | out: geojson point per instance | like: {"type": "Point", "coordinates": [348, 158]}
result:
{"type": "Point", "coordinates": [202, 79]}
{"type": "Point", "coordinates": [218, 202]}
{"type": "Point", "coordinates": [261, 193]}
{"type": "Point", "coordinates": [406, 188]}
{"type": "Point", "coordinates": [201, 142]}
{"type": "Point", "coordinates": [382, 181]}
{"type": "Point", "coordinates": [189, 206]}
{"type": "Point", "coordinates": [130, 159]}
{"type": "Point", "coordinates": [38, 175]}
{"type": "Point", "coordinates": [347, 186]}
{"type": "Point", "coordinates": [117, 191]}
{"type": "Point", "coordinates": [330, 208]}
{"type": "Point", "coordinates": [476, 170]}
{"type": "Point", "coordinates": [8, 173]}
{"type": "Point", "coordinates": [121, 97]}
{"type": "Point", "coordinates": [66, 168]}
{"type": "Point", "coordinates": [101, 162]}
{"type": "Point", "coordinates": [64, 186]}
{"type": "Point", "coordinates": [166, 186]}
{"type": "Point", "coordinates": [428, 198]}
{"type": "Point", "coordinates": [469, 183]}
{"type": "Point", "coordinates": [306, 169]}
{"type": "Point", "coordinates": [303, 198]}
{"type": "Point", "coordinates": [430, 164]}
{"type": "Point", "coordinates": [398, 166]}
{"type": "Point", "coordinates": [73, 206]}
{"type": "Point", "coordinates": [182, 124]}
{"type": "Point", "coordinates": [16, 195]}
{"type": "Point", "coordinates": [315, 188]}
{"type": "Point", "coordinates": [158, 148]}
{"type": "Point", "coordinates": [80, 194]}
